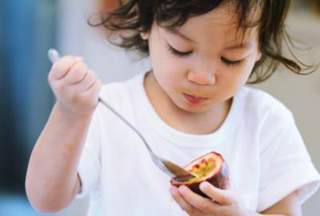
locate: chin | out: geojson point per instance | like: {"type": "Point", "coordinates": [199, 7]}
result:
{"type": "Point", "coordinates": [203, 108]}
{"type": "Point", "coordinates": [184, 106]}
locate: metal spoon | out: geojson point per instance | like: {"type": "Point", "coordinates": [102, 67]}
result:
{"type": "Point", "coordinates": [167, 166]}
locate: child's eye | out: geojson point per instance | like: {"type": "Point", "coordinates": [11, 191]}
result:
{"type": "Point", "coordinates": [230, 62]}
{"type": "Point", "coordinates": [177, 52]}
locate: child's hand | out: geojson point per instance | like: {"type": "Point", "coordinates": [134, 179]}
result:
{"type": "Point", "coordinates": [220, 202]}
{"type": "Point", "coordinates": [76, 88]}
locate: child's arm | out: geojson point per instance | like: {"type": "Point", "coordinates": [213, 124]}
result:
{"type": "Point", "coordinates": [290, 206]}
{"type": "Point", "coordinates": [52, 181]}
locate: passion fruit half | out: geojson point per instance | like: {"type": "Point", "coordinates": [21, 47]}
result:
{"type": "Point", "coordinates": [210, 167]}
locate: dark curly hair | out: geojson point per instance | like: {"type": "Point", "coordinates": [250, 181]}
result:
{"type": "Point", "coordinates": [137, 16]}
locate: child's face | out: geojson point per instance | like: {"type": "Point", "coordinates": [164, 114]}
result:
{"type": "Point", "coordinates": [211, 66]}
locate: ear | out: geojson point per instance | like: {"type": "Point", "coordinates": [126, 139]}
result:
{"type": "Point", "coordinates": [145, 35]}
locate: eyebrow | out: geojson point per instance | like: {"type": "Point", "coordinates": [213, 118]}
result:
{"type": "Point", "coordinates": [245, 45]}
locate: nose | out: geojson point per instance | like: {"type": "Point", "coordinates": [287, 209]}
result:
{"type": "Point", "coordinates": [202, 78]}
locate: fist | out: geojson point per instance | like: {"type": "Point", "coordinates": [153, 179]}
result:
{"type": "Point", "coordinates": [75, 87]}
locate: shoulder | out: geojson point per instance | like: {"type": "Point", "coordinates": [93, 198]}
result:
{"type": "Point", "coordinates": [120, 97]}
{"type": "Point", "coordinates": [260, 104]}
{"type": "Point", "coordinates": [272, 122]}
{"type": "Point", "coordinates": [118, 93]}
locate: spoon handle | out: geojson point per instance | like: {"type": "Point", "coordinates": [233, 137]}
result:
{"type": "Point", "coordinates": [168, 167]}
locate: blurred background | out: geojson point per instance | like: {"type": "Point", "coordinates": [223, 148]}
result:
{"type": "Point", "coordinates": [28, 28]}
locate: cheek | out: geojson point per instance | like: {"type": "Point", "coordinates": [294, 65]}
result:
{"type": "Point", "coordinates": [245, 71]}
{"type": "Point", "coordinates": [233, 80]}
{"type": "Point", "coordinates": [167, 69]}
{"type": "Point", "coordinates": [165, 61]}
{"type": "Point", "coordinates": [167, 78]}
{"type": "Point", "coordinates": [248, 69]}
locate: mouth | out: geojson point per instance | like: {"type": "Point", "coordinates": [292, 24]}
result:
{"type": "Point", "coordinates": [194, 100]}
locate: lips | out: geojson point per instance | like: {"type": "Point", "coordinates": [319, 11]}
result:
{"type": "Point", "coordinates": [194, 100]}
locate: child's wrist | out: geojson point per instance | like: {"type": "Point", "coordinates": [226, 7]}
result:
{"type": "Point", "coordinates": [71, 116]}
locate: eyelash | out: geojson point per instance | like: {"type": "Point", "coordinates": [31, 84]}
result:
{"type": "Point", "coordinates": [178, 53]}
{"type": "Point", "coordinates": [231, 63]}
{"type": "Point", "coordinates": [184, 54]}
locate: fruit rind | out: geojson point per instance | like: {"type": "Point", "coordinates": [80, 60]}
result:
{"type": "Point", "coordinates": [219, 176]}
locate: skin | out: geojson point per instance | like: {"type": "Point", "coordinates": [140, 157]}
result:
{"type": "Point", "coordinates": [203, 71]}
{"type": "Point", "coordinates": [52, 180]}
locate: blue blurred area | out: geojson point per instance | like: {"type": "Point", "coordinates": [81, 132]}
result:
{"type": "Point", "coordinates": [15, 205]}
{"type": "Point", "coordinates": [27, 30]}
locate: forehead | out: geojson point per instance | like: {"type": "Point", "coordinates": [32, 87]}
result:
{"type": "Point", "coordinates": [220, 23]}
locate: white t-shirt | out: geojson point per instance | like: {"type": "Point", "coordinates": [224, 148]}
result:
{"type": "Point", "coordinates": [259, 140]}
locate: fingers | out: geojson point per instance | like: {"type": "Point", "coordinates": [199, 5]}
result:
{"type": "Point", "coordinates": [76, 73]}
{"type": "Point", "coordinates": [223, 197]}
{"type": "Point", "coordinates": [181, 201]}
{"type": "Point", "coordinates": [220, 202]}
{"type": "Point", "coordinates": [72, 72]}
{"type": "Point", "coordinates": [200, 203]}
{"type": "Point", "coordinates": [81, 77]}
{"type": "Point", "coordinates": [89, 81]}
{"type": "Point", "coordinates": [75, 86]}
{"type": "Point", "coordinates": [93, 88]}
{"type": "Point", "coordinates": [60, 69]}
